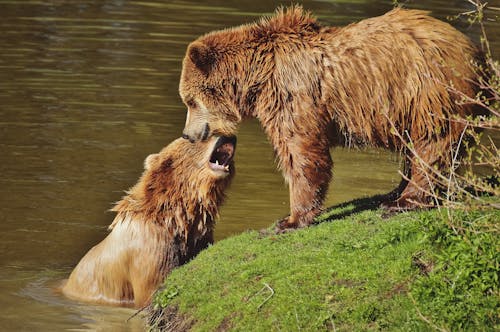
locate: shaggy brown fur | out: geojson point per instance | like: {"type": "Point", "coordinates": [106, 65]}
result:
{"type": "Point", "coordinates": [304, 82]}
{"type": "Point", "coordinates": [164, 221]}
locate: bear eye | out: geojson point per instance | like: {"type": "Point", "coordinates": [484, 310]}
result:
{"type": "Point", "coordinates": [191, 103]}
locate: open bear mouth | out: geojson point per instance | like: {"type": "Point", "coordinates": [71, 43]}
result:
{"type": "Point", "coordinates": [223, 153]}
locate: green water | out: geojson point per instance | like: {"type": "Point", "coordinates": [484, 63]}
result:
{"type": "Point", "coordinates": [87, 90]}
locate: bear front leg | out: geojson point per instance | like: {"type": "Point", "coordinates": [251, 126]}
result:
{"type": "Point", "coordinates": [307, 167]}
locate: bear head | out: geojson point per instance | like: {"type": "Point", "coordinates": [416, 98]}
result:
{"type": "Point", "coordinates": [182, 183]}
{"type": "Point", "coordinates": [207, 87]}
{"type": "Point", "coordinates": [230, 74]}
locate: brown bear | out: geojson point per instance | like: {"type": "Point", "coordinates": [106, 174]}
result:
{"type": "Point", "coordinates": [314, 86]}
{"type": "Point", "coordinates": [164, 220]}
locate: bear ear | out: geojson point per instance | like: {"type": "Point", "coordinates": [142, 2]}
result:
{"type": "Point", "coordinates": [203, 56]}
{"type": "Point", "coordinates": [150, 160]}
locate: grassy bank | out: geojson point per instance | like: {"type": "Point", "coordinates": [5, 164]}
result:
{"type": "Point", "coordinates": [353, 271]}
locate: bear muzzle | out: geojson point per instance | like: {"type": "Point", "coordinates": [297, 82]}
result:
{"type": "Point", "coordinates": [223, 154]}
{"type": "Point", "coordinates": [202, 135]}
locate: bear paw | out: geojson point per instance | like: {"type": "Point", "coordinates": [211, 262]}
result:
{"type": "Point", "coordinates": [285, 225]}
{"type": "Point", "coordinates": [402, 204]}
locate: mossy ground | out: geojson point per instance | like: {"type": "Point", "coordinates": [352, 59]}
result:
{"type": "Point", "coordinates": [353, 271]}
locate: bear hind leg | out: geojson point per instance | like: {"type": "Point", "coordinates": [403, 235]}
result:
{"type": "Point", "coordinates": [423, 182]}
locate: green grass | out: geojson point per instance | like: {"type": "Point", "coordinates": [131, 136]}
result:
{"type": "Point", "coordinates": [354, 271]}
{"type": "Point", "coordinates": [462, 292]}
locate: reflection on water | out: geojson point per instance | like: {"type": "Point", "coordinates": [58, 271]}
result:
{"type": "Point", "coordinates": [87, 90]}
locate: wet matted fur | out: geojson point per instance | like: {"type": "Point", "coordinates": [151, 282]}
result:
{"type": "Point", "coordinates": [308, 84]}
{"type": "Point", "coordinates": [164, 220]}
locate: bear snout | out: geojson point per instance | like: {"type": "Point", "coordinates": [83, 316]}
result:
{"type": "Point", "coordinates": [202, 135]}
{"type": "Point", "coordinates": [206, 132]}
{"type": "Point", "coordinates": [186, 136]}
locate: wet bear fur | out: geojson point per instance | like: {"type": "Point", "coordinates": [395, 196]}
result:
{"type": "Point", "coordinates": [313, 86]}
{"type": "Point", "coordinates": [166, 219]}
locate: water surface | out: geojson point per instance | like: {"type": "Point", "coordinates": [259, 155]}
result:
{"type": "Point", "coordinates": [87, 90]}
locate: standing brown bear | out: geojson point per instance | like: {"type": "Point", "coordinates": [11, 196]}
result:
{"type": "Point", "coordinates": [166, 219]}
{"type": "Point", "coordinates": [308, 83]}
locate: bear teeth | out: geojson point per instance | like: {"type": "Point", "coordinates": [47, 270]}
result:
{"type": "Point", "coordinates": [219, 165]}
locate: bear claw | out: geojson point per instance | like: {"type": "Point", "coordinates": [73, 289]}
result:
{"type": "Point", "coordinates": [285, 226]}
